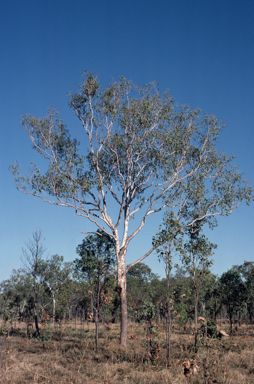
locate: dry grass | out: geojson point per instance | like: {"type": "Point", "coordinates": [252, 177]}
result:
{"type": "Point", "coordinates": [68, 356]}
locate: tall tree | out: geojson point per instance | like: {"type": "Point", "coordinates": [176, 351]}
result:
{"type": "Point", "coordinates": [140, 148]}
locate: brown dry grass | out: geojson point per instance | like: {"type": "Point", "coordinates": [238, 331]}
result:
{"type": "Point", "coordinates": [69, 357]}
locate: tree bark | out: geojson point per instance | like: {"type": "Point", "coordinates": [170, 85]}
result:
{"type": "Point", "coordinates": [121, 289]}
{"type": "Point", "coordinates": [36, 321]}
{"type": "Point", "coordinates": [54, 309]}
{"type": "Point", "coordinates": [35, 305]}
{"type": "Point", "coordinates": [168, 330]}
{"type": "Point", "coordinates": [196, 318]}
{"type": "Point", "coordinates": [168, 334]}
{"type": "Point", "coordinates": [230, 321]}
{"type": "Point", "coordinates": [97, 315]}
{"type": "Point", "coordinates": [76, 318]}
{"type": "Point", "coordinates": [96, 330]}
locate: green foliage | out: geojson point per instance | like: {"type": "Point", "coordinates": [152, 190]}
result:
{"type": "Point", "coordinates": [183, 295]}
{"type": "Point", "coordinates": [17, 291]}
{"type": "Point", "coordinates": [97, 266]}
{"type": "Point", "coordinates": [247, 273]}
{"type": "Point", "coordinates": [138, 141]}
{"type": "Point", "coordinates": [208, 328]}
{"type": "Point", "coordinates": [198, 250]}
{"type": "Point", "coordinates": [97, 256]}
{"type": "Point", "coordinates": [148, 312]}
{"type": "Point", "coordinates": [142, 285]}
{"type": "Point", "coordinates": [56, 279]}
{"type": "Point", "coordinates": [233, 291]}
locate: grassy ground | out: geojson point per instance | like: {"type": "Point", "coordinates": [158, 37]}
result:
{"type": "Point", "coordinates": [67, 356]}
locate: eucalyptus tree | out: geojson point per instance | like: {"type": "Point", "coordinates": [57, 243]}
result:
{"type": "Point", "coordinates": [56, 276]}
{"type": "Point", "coordinates": [247, 273]}
{"type": "Point", "coordinates": [96, 264]}
{"type": "Point", "coordinates": [233, 293]}
{"type": "Point", "coordinates": [15, 293]}
{"type": "Point", "coordinates": [139, 148]}
{"type": "Point", "coordinates": [141, 286]}
{"type": "Point", "coordinates": [197, 259]}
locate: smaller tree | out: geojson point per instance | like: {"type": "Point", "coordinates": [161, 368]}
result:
{"type": "Point", "coordinates": [233, 293]}
{"type": "Point", "coordinates": [96, 265]}
{"type": "Point", "coordinates": [140, 287]}
{"type": "Point", "coordinates": [196, 257]}
{"type": "Point", "coordinates": [148, 316]}
{"type": "Point", "coordinates": [247, 273]}
{"type": "Point", "coordinates": [183, 295]}
{"type": "Point", "coordinates": [56, 276]}
{"type": "Point", "coordinates": [32, 260]}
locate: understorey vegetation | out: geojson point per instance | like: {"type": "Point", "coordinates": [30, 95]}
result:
{"type": "Point", "coordinates": [173, 337]}
{"type": "Point", "coordinates": [66, 354]}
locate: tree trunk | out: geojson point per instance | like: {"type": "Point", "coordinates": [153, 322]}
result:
{"type": "Point", "coordinates": [121, 289]}
{"type": "Point", "coordinates": [168, 316]}
{"type": "Point", "coordinates": [70, 312]}
{"type": "Point", "coordinates": [96, 330]}
{"type": "Point", "coordinates": [196, 318]}
{"type": "Point", "coordinates": [36, 320]}
{"type": "Point", "coordinates": [54, 309]}
{"type": "Point", "coordinates": [230, 321]}
{"type": "Point", "coordinates": [35, 307]}
{"type": "Point", "coordinates": [97, 314]}
{"type": "Point", "coordinates": [168, 334]}
{"type": "Point", "coordinates": [76, 318]}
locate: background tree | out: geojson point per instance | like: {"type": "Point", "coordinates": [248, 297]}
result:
{"type": "Point", "coordinates": [197, 259]}
{"type": "Point", "coordinates": [165, 241]}
{"type": "Point", "coordinates": [140, 148]}
{"type": "Point", "coordinates": [233, 293]}
{"type": "Point", "coordinates": [209, 298]}
{"type": "Point", "coordinates": [32, 260]}
{"type": "Point", "coordinates": [140, 287]}
{"type": "Point", "coordinates": [56, 277]}
{"type": "Point", "coordinates": [183, 295]}
{"type": "Point", "coordinates": [16, 296]}
{"type": "Point", "coordinates": [96, 264]}
{"type": "Point", "coordinates": [247, 274]}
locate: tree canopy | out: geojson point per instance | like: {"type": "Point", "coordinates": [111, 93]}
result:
{"type": "Point", "coordinates": [143, 154]}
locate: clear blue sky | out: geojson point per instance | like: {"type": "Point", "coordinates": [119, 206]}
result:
{"type": "Point", "coordinates": [203, 51]}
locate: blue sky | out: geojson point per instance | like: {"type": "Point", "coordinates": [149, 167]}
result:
{"type": "Point", "coordinates": [201, 50]}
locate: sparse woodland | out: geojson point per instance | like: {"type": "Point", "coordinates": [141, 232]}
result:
{"type": "Point", "coordinates": [78, 319]}
{"type": "Point", "coordinates": [141, 154]}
